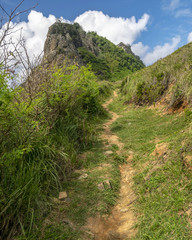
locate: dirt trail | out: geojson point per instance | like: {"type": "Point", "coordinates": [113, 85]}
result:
{"type": "Point", "coordinates": [120, 224]}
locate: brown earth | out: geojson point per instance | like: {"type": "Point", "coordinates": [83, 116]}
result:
{"type": "Point", "coordinates": [160, 149]}
{"type": "Point", "coordinates": [121, 223]}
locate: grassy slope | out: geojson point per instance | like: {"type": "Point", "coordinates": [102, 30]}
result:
{"type": "Point", "coordinates": [40, 140]}
{"type": "Point", "coordinates": [112, 62]}
{"type": "Point", "coordinates": [163, 184]}
{"type": "Point", "coordinates": [66, 219]}
{"type": "Point", "coordinates": [148, 84]}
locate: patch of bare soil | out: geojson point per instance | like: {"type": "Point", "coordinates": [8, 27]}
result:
{"type": "Point", "coordinates": [120, 224]}
{"type": "Point", "coordinates": [160, 150]}
{"type": "Point", "coordinates": [163, 103]}
{"type": "Point", "coordinates": [166, 106]}
{"type": "Point", "coordinates": [188, 161]}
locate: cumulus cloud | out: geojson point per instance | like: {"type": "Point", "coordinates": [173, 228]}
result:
{"type": "Point", "coordinates": [139, 49]}
{"type": "Point", "coordinates": [115, 29]}
{"type": "Point", "coordinates": [34, 32]}
{"type": "Point", "coordinates": [160, 51]}
{"type": "Point", "coordinates": [189, 39]}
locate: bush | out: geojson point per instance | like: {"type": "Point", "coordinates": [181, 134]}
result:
{"type": "Point", "coordinates": [40, 135]}
{"type": "Point", "coordinates": [98, 65]}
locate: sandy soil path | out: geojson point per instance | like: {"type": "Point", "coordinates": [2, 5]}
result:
{"type": "Point", "coordinates": [120, 224]}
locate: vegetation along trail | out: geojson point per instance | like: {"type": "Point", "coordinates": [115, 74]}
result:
{"type": "Point", "coordinates": [120, 224]}
{"type": "Point", "coordinates": [64, 173]}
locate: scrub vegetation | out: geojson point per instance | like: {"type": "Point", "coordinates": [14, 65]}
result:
{"type": "Point", "coordinates": [58, 136]}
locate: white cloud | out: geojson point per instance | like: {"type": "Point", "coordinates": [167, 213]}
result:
{"type": "Point", "coordinates": [34, 31]}
{"type": "Point", "coordinates": [189, 39]}
{"type": "Point", "coordinates": [115, 29]}
{"type": "Point", "coordinates": [177, 8]}
{"type": "Point", "coordinates": [174, 4]}
{"type": "Point", "coordinates": [183, 13]}
{"type": "Point", "coordinates": [140, 49]}
{"type": "Point", "coordinates": [161, 51]}
{"type": "Point", "coordinates": [171, 6]}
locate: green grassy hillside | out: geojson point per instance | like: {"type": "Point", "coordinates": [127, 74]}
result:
{"type": "Point", "coordinates": [172, 74]}
{"type": "Point", "coordinates": [118, 60]}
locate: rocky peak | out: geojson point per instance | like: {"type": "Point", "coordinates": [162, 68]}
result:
{"type": "Point", "coordinates": [64, 39]}
{"type": "Point", "coordinates": [125, 47]}
{"type": "Point", "coordinates": [70, 44]}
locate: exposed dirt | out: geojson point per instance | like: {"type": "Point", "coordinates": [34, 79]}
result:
{"type": "Point", "coordinates": [107, 134]}
{"type": "Point", "coordinates": [166, 106]}
{"type": "Point", "coordinates": [160, 150]}
{"type": "Point", "coordinates": [120, 224]}
{"type": "Point", "coordinates": [188, 161]}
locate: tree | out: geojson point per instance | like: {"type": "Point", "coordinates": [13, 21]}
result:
{"type": "Point", "coordinates": [12, 50]}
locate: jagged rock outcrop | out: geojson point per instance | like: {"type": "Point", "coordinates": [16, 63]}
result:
{"type": "Point", "coordinates": [63, 40]}
{"type": "Point", "coordinates": [126, 48]}
{"type": "Point", "coordinates": [69, 43]}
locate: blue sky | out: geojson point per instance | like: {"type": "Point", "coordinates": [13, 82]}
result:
{"type": "Point", "coordinates": [157, 29]}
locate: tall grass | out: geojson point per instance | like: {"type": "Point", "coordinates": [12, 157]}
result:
{"type": "Point", "coordinates": [40, 135]}
{"type": "Point", "coordinates": [173, 72]}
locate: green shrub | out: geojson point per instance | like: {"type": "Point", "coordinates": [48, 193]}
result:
{"type": "Point", "coordinates": [40, 136]}
{"type": "Point", "coordinates": [98, 65]}
{"type": "Point", "coordinates": [149, 84]}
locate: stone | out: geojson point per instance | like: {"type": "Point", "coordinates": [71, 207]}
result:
{"type": "Point", "coordinates": [160, 150]}
{"type": "Point", "coordinates": [62, 196]}
{"type": "Point", "coordinates": [63, 41]}
{"type": "Point", "coordinates": [126, 48]}
{"type": "Point", "coordinates": [109, 152]}
{"type": "Point", "coordinates": [104, 185]}
{"type": "Point", "coordinates": [100, 186]}
{"type": "Point", "coordinates": [107, 184]}
{"type": "Point", "coordinates": [124, 210]}
{"type": "Point", "coordinates": [83, 176]}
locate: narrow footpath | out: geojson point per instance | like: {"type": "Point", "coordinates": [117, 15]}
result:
{"type": "Point", "coordinates": [120, 224]}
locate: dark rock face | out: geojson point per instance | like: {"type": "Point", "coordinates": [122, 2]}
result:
{"type": "Point", "coordinates": [68, 44]}
{"type": "Point", "coordinates": [126, 47]}
{"type": "Point", "coordinates": [63, 40]}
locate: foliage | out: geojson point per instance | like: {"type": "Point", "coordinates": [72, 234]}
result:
{"type": "Point", "coordinates": [115, 57]}
{"type": "Point", "coordinates": [40, 135]}
{"type": "Point", "coordinates": [98, 65]}
{"type": "Point", "coordinates": [149, 84]}
{"type": "Point", "coordinates": [105, 89]}
{"type": "Point", "coordinates": [86, 200]}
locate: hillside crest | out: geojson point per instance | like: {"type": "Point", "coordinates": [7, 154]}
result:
{"type": "Point", "coordinates": [69, 42]}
